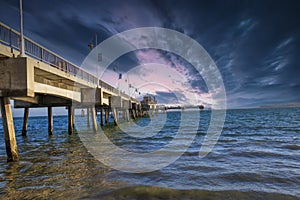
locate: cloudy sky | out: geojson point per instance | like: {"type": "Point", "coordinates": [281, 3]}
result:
{"type": "Point", "coordinates": [255, 44]}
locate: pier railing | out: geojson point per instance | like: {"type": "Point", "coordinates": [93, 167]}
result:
{"type": "Point", "coordinates": [11, 38]}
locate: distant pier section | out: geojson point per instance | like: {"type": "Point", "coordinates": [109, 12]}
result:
{"type": "Point", "coordinates": [149, 105]}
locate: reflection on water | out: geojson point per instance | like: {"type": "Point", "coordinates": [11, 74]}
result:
{"type": "Point", "coordinates": [257, 157]}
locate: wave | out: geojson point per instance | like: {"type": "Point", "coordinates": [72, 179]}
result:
{"type": "Point", "coordinates": [154, 192]}
{"type": "Point", "coordinates": [292, 147]}
{"type": "Point", "coordinates": [226, 141]}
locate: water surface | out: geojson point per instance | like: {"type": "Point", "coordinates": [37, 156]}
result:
{"type": "Point", "coordinates": [257, 157]}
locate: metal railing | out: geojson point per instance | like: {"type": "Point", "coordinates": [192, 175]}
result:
{"type": "Point", "coordinates": [11, 38]}
{"type": "Point", "coordinates": [108, 87]}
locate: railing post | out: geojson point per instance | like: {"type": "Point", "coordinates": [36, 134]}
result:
{"type": "Point", "coordinates": [10, 43]}
{"type": "Point", "coordinates": [42, 54]}
{"type": "Point", "coordinates": [67, 68]}
{"type": "Point", "coordinates": [55, 61]}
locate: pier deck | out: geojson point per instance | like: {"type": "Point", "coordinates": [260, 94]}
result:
{"type": "Point", "coordinates": [45, 79]}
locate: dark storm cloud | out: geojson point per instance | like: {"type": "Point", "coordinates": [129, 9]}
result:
{"type": "Point", "coordinates": [255, 44]}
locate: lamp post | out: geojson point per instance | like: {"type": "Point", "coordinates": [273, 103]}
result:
{"type": "Point", "coordinates": [22, 47]}
{"type": "Point", "coordinates": [98, 57]}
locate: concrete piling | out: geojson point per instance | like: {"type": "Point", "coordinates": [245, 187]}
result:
{"type": "Point", "coordinates": [115, 115]}
{"type": "Point", "coordinates": [25, 121]}
{"type": "Point", "coordinates": [73, 118]}
{"type": "Point", "coordinates": [50, 121]}
{"type": "Point", "coordinates": [106, 115]}
{"type": "Point", "coordinates": [94, 118]}
{"type": "Point", "coordinates": [70, 120]}
{"type": "Point", "coordinates": [101, 117]}
{"type": "Point", "coordinates": [127, 115]}
{"type": "Point", "coordinates": [9, 130]}
{"type": "Point", "coordinates": [88, 117]}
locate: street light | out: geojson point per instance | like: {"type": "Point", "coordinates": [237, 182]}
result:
{"type": "Point", "coordinates": [22, 47]}
{"type": "Point", "coordinates": [98, 55]}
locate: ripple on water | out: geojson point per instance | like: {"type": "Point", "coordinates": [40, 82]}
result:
{"type": "Point", "coordinates": [153, 193]}
{"type": "Point", "coordinates": [257, 157]}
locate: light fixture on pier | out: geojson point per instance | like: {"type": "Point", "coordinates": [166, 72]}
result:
{"type": "Point", "coordinates": [22, 47]}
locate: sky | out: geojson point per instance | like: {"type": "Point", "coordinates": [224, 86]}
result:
{"type": "Point", "coordinates": [254, 44]}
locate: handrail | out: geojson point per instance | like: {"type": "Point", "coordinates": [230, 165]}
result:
{"type": "Point", "coordinates": [11, 38]}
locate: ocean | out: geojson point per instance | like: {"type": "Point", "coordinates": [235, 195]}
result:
{"type": "Point", "coordinates": [257, 156]}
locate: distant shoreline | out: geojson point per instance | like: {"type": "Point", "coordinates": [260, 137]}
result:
{"type": "Point", "coordinates": [293, 105]}
{"type": "Point", "coordinates": [288, 105]}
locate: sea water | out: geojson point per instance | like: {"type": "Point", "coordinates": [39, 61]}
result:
{"type": "Point", "coordinates": [257, 156]}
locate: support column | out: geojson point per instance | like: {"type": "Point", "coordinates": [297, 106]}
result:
{"type": "Point", "coordinates": [128, 115]}
{"type": "Point", "coordinates": [106, 115]}
{"type": "Point", "coordinates": [115, 114]}
{"type": "Point", "coordinates": [70, 120]}
{"type": "Point", "coordinates": [9, 130]}
{"type": "Point", "coordinates": [94, 118]}
{"type": "Point", "coordinates": [88, 117]}
{"type": "Point", "coordinates": [101, 116]}
{"type": "Point", "coordinates": [124, 114]}
{"type": "Point", "coordinates": [73, 117]}
{"type": "Point", "coordinates": [50, 121]}
{"type": "Point", "coordinates": [25, 121]}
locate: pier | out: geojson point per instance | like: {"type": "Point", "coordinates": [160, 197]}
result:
{"type": "Point", "coordinates": [45, 79]}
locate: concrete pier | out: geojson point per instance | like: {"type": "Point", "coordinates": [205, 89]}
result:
{"type": "Point", "coordinates": [9, 130]}
{"type": "Point", "coordinates": [46, 80]}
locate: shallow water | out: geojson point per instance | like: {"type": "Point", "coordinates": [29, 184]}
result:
{"type": "Point", "coordinates": [257, 157]}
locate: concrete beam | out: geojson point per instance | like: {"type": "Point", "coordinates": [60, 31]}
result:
{"type": "Point", "coordinates": [8, 52]}
{"type": "Point", "coordinates": [34, 100]}
{"type": "Point", "coordinates": [41, 101]}
{"type": "Point", "coordinates": [47, 89]}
